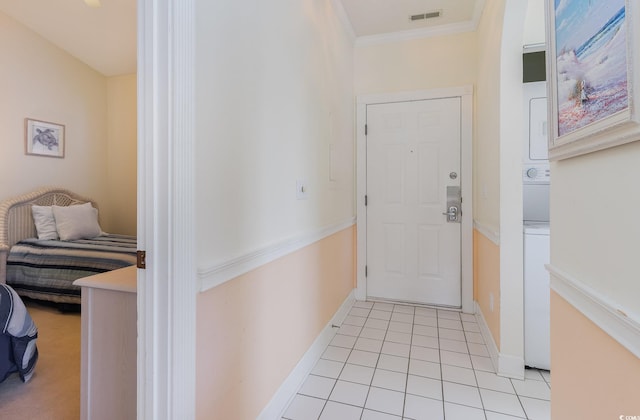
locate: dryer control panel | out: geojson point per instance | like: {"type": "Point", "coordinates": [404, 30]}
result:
{"type": "Point", "coordinates": [536, 174]}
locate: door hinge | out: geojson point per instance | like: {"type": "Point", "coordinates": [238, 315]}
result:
{"type": "Point", "coordinates": [366, 129]}
{"type": "Point", "coordinates": [366, 200]}
{"type": "Point", "coordinates": [366, 270]}
{"type": "Point", "coordinates": [141, 259]}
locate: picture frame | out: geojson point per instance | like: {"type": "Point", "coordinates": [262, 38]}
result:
{"type": "Point", "coordinates": [593, 73]}
{"type": "Point", "coordinates": [43, 138]}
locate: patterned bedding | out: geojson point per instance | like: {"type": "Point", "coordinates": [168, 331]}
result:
{"type": "Point", "coordinates": [46, 269]}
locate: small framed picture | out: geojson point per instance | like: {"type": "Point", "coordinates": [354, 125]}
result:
{"type": "Point", "coordinates": [44, 138]}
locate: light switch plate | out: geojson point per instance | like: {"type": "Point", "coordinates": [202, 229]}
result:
{"type": "Point", "coordinates": [302, 189]}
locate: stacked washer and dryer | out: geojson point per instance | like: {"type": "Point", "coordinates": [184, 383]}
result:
{"type": "Point", "coordinates": [535, 191]}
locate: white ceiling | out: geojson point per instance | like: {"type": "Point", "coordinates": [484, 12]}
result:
{"type": "Point", "coordinates": [105, 37]}
{"type": "Point", "coordinates": [384, 17]}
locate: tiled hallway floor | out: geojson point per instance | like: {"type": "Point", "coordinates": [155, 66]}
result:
{"type": "Point", "coordinates": [403, 362]}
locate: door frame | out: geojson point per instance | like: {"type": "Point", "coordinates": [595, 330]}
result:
{"type": "Point", "coordinates": [167, 288]}
{"type": "Point", "coordinates": [465, 93]}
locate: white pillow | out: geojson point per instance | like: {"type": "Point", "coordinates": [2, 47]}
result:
{"type": "Point", "coordinates": [45, 222]}
{"type": "Point", "coordinates": [77, 222]}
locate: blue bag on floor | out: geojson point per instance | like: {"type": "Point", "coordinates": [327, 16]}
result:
{"type": "Point", "coordinates": [18, 335]}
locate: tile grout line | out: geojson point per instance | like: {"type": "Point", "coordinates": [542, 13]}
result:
{"type": "Point", "coordinates": [444, 414]}
{"type": "Point", "coordinates": [477, 386]}
{"type": "Point", "coordinates": [406, 382]}
{"type": "Point", "coordinates": [526, 416]}
{"type": "Point", "coordinates": [464, 332]}
{"type": "Point", "coordinates": [345, 362]}
{"type": "Point", "coordinates": [374, 368]}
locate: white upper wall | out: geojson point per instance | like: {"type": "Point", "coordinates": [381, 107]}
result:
{"type": "Point", "coordinates": [534, 26]}
{"type": "Point", "coordinates": [443, 61]}
{"type": "Point", "coordinates": [498, 122]}
{"type": "Point", "coordinates": [275, 95]}
{"type": "Point", "coordinates": [487, 118]}
{"type": "Point", "coordinates": [511, 139]}
{"type": "Point", "coordinates": [122, 154]}
{"type": "Point", "coordinates": [591, 241]}
{"type": "Point", "coordinates": [43, 82]}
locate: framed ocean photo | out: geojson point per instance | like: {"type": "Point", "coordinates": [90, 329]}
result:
{"type": "Point", "coordinates": [594, 75]}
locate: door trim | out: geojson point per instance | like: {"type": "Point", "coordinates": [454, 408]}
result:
{"type": "Point", "coordinates": [167, 288]}
{"type": "Point", "coordinates": [465, 93]}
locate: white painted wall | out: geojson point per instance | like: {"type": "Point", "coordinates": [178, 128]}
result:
{"type": "Point", "coordinates": [122, 153]}
{"type": "Point", "coordinates": [534, 26]}
{"type": "Point", "coordinates": [591, 240]}
{"type": "Point", "coordinates": [443, 61]}
{"type": "Point", "coordinates": [487, 118]}
{"type": "Point", "coordinates": [595, 202]}
{"type": "Point", "coordinates": [498, 180]}
{"type": "Point", "coordinates": [274, 87]}
{"type": "Point", "coordinates": [43, 82]}
{"type": "Point", "coordinates": [511, 246]}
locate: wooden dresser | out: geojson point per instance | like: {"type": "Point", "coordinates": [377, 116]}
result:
{"type": "Point", "coordinates": [109, 333]}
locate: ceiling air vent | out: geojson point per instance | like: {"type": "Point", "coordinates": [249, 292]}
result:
{"type": "Point", "coordinates": [428, 15]}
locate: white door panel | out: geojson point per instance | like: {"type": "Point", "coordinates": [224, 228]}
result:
{"type": "Point", "coordinates": [413, 254]}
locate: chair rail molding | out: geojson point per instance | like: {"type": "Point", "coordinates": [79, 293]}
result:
{"type": "Point", "coordinates": [221, 272]}
{"type": "Point", "coordinates": [617, 322]}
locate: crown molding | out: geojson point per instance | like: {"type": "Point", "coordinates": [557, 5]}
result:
{"type": "Point", "coordinates": [422, 33]}
{"type": "Point", "coordinates": [344, 19]}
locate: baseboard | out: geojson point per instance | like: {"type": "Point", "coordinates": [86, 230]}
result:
{"type": "Point", "coordinates": [488, 337]}
{"type": "Point", "coordinates": [503, 364]}
{"type": "Point", "coordinates": [294, 381]}
{"type": "Point", "coordinates": [619, 323]}
{"type": "Point", "coordinates": [510, 366]}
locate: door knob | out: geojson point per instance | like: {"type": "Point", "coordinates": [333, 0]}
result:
{"type": "Point", "coordinates": [452, 214]}
{"type": "Point", "coordinates": [454, 201]}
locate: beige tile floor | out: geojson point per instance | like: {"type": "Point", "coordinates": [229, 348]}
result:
{"type": "Point", "coordinates": [403, 362]}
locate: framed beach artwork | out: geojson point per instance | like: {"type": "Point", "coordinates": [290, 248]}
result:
{"type": "Point", "coordinates": [44, 138]}
{"type": "Point", "coordinates": [594, 73]}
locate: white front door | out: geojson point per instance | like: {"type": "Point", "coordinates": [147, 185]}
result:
{"type": "Point", "coordinates": [412, 156]}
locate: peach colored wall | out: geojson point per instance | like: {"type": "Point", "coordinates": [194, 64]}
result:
{"type": "Point", "coordinates": [122, 156]}
{"type": "Point", "coordinates": [486, 281]}
{"type": "Point", "coordinates": [354, 250]}
{"type": "Point", "coordinates": [253, 330]}
{"type": "Point", "coordinates": [594, 377]}
{"type": "Point", "coordinates": [476, 272]}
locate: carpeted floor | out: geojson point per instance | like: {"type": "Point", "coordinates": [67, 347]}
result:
{"type": "Point", "coordinates": [53, 393]}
